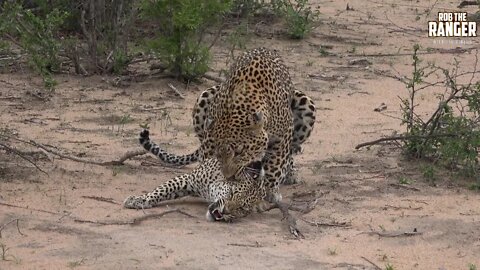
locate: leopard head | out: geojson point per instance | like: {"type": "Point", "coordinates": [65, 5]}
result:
{"type": "Point", "coordinates": [236, 142]}
{"type": "Point", "coordinates": [244, 197]}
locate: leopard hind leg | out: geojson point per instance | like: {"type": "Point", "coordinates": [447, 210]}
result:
{"type": "Point", "coordinates": [303, 109]}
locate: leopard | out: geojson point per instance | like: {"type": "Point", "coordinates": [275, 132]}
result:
{"type": "Point", "coordinates": [303, 109]}
{"type": "Point", "coordinates": [229, 200]}
{"type": "Point", "coordinates": [254, 112]}
{"type": "Point", "coordinates": [304, 115]}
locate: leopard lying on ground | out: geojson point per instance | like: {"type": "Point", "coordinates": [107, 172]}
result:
{"type": "Point", "coordinates": [229, 199]}
{"type": "Point", "coordinates": [254, 112]}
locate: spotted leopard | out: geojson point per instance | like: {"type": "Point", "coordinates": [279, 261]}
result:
{"type": "Point", "coordinates": [236, 121]}
{"type": "Point", "coordinates": [302, 106]}
{"type": "Point", "coordinates": [228, 200]}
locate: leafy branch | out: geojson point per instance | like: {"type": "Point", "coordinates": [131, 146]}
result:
{"type": "Point", "coordinates": [450, 135]}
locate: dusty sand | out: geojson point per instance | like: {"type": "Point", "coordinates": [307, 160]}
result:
{"type": "Point", "coordinates": [358, 188]}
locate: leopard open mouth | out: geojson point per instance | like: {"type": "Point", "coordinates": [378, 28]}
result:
{"type": "Point", "coordinates": [216, 215]}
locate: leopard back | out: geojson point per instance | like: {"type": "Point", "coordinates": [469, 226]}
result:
{"type": "Point", "coordinates": [250, 108]}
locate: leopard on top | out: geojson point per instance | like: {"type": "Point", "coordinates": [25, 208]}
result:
{"type": "Point", "coordinates": [251, 108]}
{"type": "Point", "coordinates": [250, 112]}
{"type": "Point", "coordinates": [302, 107]}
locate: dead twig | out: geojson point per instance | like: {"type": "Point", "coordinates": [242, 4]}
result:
{"type": "Point", "coordinates": [304, 210]}
{"type": "Point", "coordinates": [102, 199]}
{"type": "Point", "coordinates": [380, 175]}
{"type": "Point", "coordinates": [467, 3]}
{"type": "Point", "coordinates": [217, 35]}
{"type": "Point", "coordinates": [417, 201]}
{"type": "Point", "coordinates": [126, 156]}
{"type": "Point", "coordinates": [372, 263]}
{"type": "Point", "coordinates": [4, 81]}
{"type": "Point", "coordinates": [292, 222]}
{"type": "Point", "coordinates": [256, 245]}
{"type": "Point", "coordinates": [18, 153]}
{"type": "Point", "coordinates": [406, 30]}
{"type": "Point", "coordinates": [394, 234]}
{"type": "Point", "coordinates": [327, 224]}
{"type": "Point", "coordinates": [135, 221]}
{"type": "Point", "coordinates": [10, 98]}
{"type": "Point", "coordinates": [120, 161]}
{"type": "Point", "coordinates": [439, 51]}
{"type": "Point", "coordinates": [68, 214]}
{"type": "Point", "coordinates": [404, 186]}
{"type": "Point", "coordinates": [402, 207]}
{"type": "Point", "coordinates": [31, 209]}
{"type": "Point", "coordinates": [180, 95]}
{"type": "Point", "coordinates": [11, 221]}
{"type": "Point", "coordinates": [404, 138]}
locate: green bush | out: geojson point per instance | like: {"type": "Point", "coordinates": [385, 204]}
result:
{"type": "Point", "coordinates": [182, 27]}
{"type": "Point", "coordinates": [120, 61]}
{"type": "Point", "coordinates": [245, 8]}
{"type": "Point", "coordinates": [53, 28]}
{"type": "Point", "coordinates": [300, 17]}
{"type": "Point", "coordinates": [37, 35]}
{"type": "Point", "coordinates": [450, 135]}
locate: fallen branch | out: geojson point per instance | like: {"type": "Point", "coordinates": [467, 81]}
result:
{"type": "Point", "coordinates": [256, 245]}
{"type": "Point", "coordinates": [31, 209]}
{"type": "Point", "coordinates": [439, 51]}
{"type": "Point", "coordinates": [404, 138]}
{"type": "Point", "coordinates": [10, 98]}
{"type": "Point", "coordinates": [402, 29]}
{"type": "Point", "coordinates": [292, 222]}
{"type": "Point", "coordinates": [176, 91]}
{"type": "Point", "coordinates": [417, 201]}
{"type": "Point", "coordinates": [304, 210]}
{"type": "Point", "coordinates": [404, 186]}
{"type": "Point", "coordinates": [139, 77]}
{"type": "Point", "coordinates": [18, 153]}
{"type": "Point", "coordinates": [135, 221]}
{"type": "Point", "coordinates": [68, 214]}
{"type": "Point", "coordinates": [467, 3]}
{"type": "Point", "coordinates": [372, 263]}
{"type": "Point", "coordinates": [327, 224]}
{"type": "Point", "coordinates": [402, 207]}
{"type": "Point", "coordinates": [11, 221]}
{"type": "Point", "coordinates": [102, 199]}
{"type": "Point", "coordinates": [394, 234]}
{"type": "Point", "coordinates": [120, 161]}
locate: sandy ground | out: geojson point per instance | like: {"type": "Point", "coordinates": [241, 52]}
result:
{"type": "Point", "coordinates": [91, 119]}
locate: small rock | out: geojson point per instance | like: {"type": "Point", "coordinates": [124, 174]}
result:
{"type": "Point", "coordinates": [380, 108]}
{"type": "Point", "coordinates": [359, 62]}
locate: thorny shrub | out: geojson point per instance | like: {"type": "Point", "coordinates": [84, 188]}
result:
{"type": "Point", "coordinates": [450, 135]}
